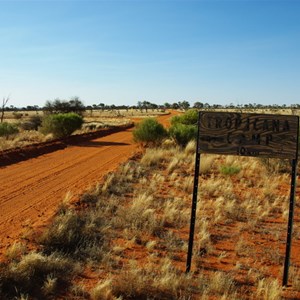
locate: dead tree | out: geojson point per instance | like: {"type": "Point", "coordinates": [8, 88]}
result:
{"type": "Point", "coordinates": [4, 102]}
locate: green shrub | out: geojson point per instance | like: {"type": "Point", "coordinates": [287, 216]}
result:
{"type": "Point", "coordinates": [7, 129]}
{"type": "Point", "coordinates": [229, 170]}
{"type": "Point", "coordinates": [188, 118]}
{"type": "Point", "coordinates": [61, 125]}
{"type": "Point", "coordinates": [149, 131]}
{"type": "Point", "coordinates": [182, 134]}
{"type": "Point", "coordinates": [184, 127]}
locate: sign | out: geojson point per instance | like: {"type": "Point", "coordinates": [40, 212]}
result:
{"type": "Point", "coordinates": [248, 134]}
{"type": "Point", "coordinates": [259, 135]}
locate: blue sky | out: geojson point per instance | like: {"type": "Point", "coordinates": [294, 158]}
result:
{"type": "Point", "coordinates": [122, 52]}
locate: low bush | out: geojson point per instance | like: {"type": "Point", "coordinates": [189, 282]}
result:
{"type": "Point", "coordinates": [7, 129]}
{"type": "Point", "coordinates": [188, 118]}
{"type": "Point", "coordinates": [33, 123]}
{"type": "Point", "coordinates": [61, 125]}
{"type": "Point", "coordinates": [149, 131]}
{"type": "Point", "coordinates": [182, 134]}
{"type": "Point", "coordinates": [184, 127]}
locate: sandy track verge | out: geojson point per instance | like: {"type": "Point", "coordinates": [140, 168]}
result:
{"type": "Point", "coordinates": [14, 155]}
{"type": "Point", "coordinates": [31, 190]}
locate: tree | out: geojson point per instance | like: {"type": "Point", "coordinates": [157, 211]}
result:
{"type": "Point", "coordinates": [175, 105]}
{"type": "Point", "coordinates": [4, 102]}
{"type": "Point", "coordinates": [198, 105]}
{"type": "Point", "coordinates": [146, 105]}
{"type": "Point", "coordinates": [62, 106]}
{"type": "Point", "coordinates": [167, 105]}
{"type": "Point", "coordinates": [139, 104]}
{"type": "Point", "coordinates": [184, 105]}
{"type": "Point", "coordinates": [76, 105]}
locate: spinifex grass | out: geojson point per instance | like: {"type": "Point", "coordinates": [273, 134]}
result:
{"type": "Point", "coordinates": [130, 233]}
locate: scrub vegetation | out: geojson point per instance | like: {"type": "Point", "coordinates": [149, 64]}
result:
{"type": "Point", "coordinates": [149, 131]}
{"type": "Point", "coordinates": [61, 125]}
{"type": "Point", "coordinates": [127, 237]}
{"type": "Point", "coordinates": [60, 119]}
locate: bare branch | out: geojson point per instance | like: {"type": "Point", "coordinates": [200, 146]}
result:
{"type": "Point", "coordinates": [4, 102]}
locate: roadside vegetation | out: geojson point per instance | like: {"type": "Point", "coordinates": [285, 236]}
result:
{"type": "Point", "coordinates": [149, 132]}
{"type": "Point", "coordinates": [61, 125]}
{"type": "Point", "coordinates": [183, 129]}
{"type": "Point", "coordinates": [59, 119]}
{"type": "Point", "coordinates": [127, 237]}
{"type": "Point", "coordinates": [7, 129]}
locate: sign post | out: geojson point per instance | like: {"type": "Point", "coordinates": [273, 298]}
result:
{"type": "Point", "coordinates": [290, 224]}
{"type": "Point", "coordinates": [194, 209]}
{"type": "Point", "coordinates": [244, 134]}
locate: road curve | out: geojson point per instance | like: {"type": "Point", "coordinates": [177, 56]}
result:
{"type": "Point", "coordinates": [31, 190]}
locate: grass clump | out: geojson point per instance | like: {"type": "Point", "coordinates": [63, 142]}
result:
{"type": "Point", "coordinates": [102, 291]}
{"type": "Point", "coordinates": [76, 234]}
{"type": "Point", "coordinates": [149, 131]}
{"type": "Point", "coordinates": [222, 284]}
{"type": "Point", "coordinates": [229, 170]}
{"type": "Point", "coordinates": [22, 139]}
{"type": "Point", "coordinates": [152, 282]}
{"type": "Point", "coordinates": [119, 183]}
{"type": "Point", "coordinates": [268, 289]}
{"type": "Point", "coordinates": [7, 129]}
{"type": "Point", "coordinates": [61, 125]}
{"type": "Point", "coordinates": [36, 275]}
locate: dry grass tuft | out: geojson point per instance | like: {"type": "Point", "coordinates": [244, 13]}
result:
{"type": "Point", "coordinates": [268, 289]}
{"type": "Point", "coordinates": [15, 251]}
{"type": "Point", "coordinates": [36, 274]}
{"type": "Point", "coordinates": [22, 139]}
{"type": "Point", "coordinates": [77, 234]}
{"type": "Point", "coordinates": [206, 164]}
{"type": "Point", "coordinates": [152, 282]}
{"type": "Point", "coordinates": [103, 291]}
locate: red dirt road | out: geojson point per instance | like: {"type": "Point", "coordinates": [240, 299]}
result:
{"type": "Point", "coordinates": [30, 191]}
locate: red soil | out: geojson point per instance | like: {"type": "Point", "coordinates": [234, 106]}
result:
{"type": "Point", "coordinates": [31, 190]}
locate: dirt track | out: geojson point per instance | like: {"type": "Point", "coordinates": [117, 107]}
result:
{"type": "Point", "coordinates": [30, 191]}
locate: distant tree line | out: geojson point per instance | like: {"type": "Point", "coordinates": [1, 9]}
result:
{"type": "Point", "coordinates": [77, 106]}
{"type": "Point", "coordinates": [74, 105]}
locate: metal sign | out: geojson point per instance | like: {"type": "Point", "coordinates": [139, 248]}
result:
{"type": "Point", "coordinates": [258, 135]}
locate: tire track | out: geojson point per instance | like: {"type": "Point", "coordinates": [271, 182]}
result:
{"type": "Point", "coordinates": [31, 190]}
